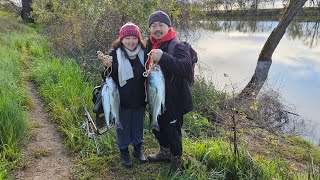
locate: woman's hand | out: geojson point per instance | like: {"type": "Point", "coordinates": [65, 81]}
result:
{"type": "Point", "coordinates": [105, 59]}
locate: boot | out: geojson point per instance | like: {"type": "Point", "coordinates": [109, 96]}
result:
{"type": "Point", "coordinates": [125, 157]}
{"type": "Point", "coordinates": [137, 153]}
{"type": "Point", "coordinates": [162, 156]}
{"type": "Point", "coordinates": [176, 164]}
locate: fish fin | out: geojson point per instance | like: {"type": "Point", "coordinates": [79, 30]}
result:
{"type": "Point", "coordinates": [106, 109]}
{"type": "Point", "coordinates": [163, 108]}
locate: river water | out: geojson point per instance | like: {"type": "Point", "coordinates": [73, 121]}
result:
{"type": "Point", "coordinates": [233, 47]}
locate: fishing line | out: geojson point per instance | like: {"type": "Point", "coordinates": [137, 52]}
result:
{"type": "Point", "coordinates": [147, 72]}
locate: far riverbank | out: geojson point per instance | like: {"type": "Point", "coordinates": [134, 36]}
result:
{"type": "Point", "coordinates": [308, 14]}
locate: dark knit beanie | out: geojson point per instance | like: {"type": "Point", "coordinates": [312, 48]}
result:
{"type": "Point", "coordinates": [159, 16]}
{"type": "Point", "coordinates": [129, 29]}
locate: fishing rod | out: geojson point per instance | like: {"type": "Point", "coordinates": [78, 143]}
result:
{"type": "Point", "coordinates": [91, 128]}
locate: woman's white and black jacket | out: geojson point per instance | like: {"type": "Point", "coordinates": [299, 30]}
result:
{"type": "Point", "coordinates": [132, 94]}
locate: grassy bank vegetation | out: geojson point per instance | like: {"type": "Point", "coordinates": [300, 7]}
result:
{"type": "Point", "coordinates": [13, 98]}
{"type": "Point", "coordinates": [213, 147]}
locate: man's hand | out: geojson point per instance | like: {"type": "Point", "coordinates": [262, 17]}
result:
{"type": "Point", "coordinates": [155, 55]}
{"type": "Point", "coordinates": [105, 59]}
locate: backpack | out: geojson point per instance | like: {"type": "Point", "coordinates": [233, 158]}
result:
{"type": "Point", "coordinates": [193, 56]}
{"type": "Point", "coordinates": [97, 99]}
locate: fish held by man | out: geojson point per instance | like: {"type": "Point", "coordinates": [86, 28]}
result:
{"type": "Point", "coordinates": [156, 95]}
{"type": "Point", "coordinates": [111, 103]}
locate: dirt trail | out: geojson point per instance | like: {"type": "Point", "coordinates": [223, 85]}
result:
{"type": "Point", "coordinates": [44, 156]}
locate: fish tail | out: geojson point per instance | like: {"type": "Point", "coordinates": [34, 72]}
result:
{"type": "Point", "coordinates": [118, 125]}
{"type": "Point", "coordinates": [108, 120]}
{"type": "Point", "coordinates": [155, 125]}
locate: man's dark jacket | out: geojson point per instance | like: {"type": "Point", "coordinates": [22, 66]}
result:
{"type": "Point", "coordinates": [176, 70]}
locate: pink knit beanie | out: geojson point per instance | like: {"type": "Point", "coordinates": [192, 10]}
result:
{"type": "Point", "coordinates": [129, 29]}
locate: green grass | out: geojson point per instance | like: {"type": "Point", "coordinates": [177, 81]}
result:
{"type": "Point", "coordinates": [62, 85]}
{"type": "Point", "coordinates": [13, 97]}
{"type": "Point", "coordinates": [218, 161]}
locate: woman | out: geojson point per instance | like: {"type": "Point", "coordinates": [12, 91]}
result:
{"type": "Point", "coordinates": [127, 60]}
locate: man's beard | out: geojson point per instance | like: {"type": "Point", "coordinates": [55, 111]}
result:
{"type": "Point", "coordinates": [158, 33]}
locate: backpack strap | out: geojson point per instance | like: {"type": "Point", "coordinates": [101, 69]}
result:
{"type": "Point", "coordinates": [172, 46]}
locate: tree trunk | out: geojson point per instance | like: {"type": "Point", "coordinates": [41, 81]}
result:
{"type": "Point", "coordinates": [265, 58]}
{"type": "Point", "coordinates": [26, 11]}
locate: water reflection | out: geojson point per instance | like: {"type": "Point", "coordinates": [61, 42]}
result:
{"type": "Point", "coordinates": [241, 26]}
{"type": "Point", "coordinates": [308, 32]}
{"type": "Point", "coordinates": [233, 48]}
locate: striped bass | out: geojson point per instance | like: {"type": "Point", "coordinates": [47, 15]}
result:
{"type": "Point", "coordinates": [111, 103]}
{"type": "Point", "coordinates": [156, 95]}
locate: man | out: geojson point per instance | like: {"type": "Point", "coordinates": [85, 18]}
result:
{"type": "Point", "coordinates": [177, 69]}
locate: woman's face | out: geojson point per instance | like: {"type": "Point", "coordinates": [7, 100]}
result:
{"type": "Point", "coordinates": [130, 42]}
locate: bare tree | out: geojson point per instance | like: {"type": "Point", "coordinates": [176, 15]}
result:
{"type": "Point", "coordinates": [22, 8]}
{"type": "Point", "coordinates": [26, 11]}
{"type": "Point", "coordinates": [265, 58]}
